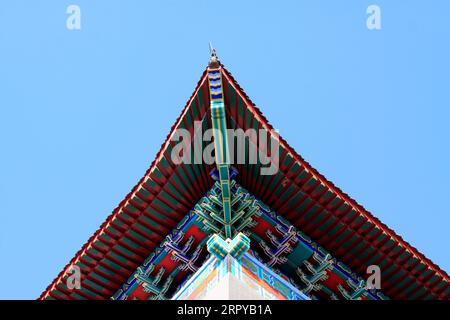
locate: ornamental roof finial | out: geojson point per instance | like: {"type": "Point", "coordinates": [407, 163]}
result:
{"type": "Point", "coordinates": [213, 61]}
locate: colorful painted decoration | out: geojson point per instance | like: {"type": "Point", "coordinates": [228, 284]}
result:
{"type": "Point", "coordinates": [236, 247]}
{"type": "Point", "coordinates": [180, 254]}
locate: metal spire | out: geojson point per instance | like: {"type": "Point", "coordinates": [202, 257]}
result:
{"type": "Point", "coordinates": [213, 61]}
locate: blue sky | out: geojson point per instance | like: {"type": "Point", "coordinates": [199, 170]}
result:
{"type": "Point", "coordinates": [83, 112]}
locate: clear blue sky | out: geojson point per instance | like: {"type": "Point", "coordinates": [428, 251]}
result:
{"type": "Point", "coordinates": [83, 112]}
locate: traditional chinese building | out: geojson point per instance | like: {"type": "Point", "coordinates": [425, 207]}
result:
{"type": "Point", "coordinates": [227, 229]}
